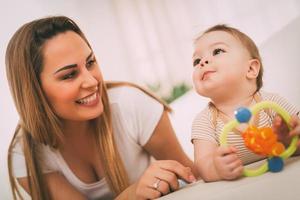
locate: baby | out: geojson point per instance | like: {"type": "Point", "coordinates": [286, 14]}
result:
{"type": "Point", "coordinates": [228, 70]}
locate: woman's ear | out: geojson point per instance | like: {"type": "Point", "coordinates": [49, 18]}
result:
{"type": "Point", "coordinates": [253, 69]}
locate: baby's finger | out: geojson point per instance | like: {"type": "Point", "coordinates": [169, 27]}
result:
{"type": "Point", "coordinates": [295, 121]}
{"type": "Point", "coordinates": [236, 164]}
{"type": "Point", "coordinates": [277, 121]}
{"type": "Point", "coordinates": [230, 158]}
{"type": "Point", "coordinates": [279, 125]}
{"type": "Point", "coordinates": [238, 171]}
{"type": "Point", "coordinates": [295, 131]}
{"type": "Point", "coordinates": [224, 150]}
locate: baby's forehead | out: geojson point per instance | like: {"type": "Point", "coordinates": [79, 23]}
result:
{"type": "Point", "coordinates": [216, 37]}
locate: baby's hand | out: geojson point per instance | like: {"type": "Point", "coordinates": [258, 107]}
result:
{"type": "Point", "coordinates": [282, 130]}
{"type": "Point", "coordinates": [295, 125]}
{"type": "Point", "coordinates": [227, 163]}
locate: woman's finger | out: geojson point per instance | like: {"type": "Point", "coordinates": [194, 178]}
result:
{"type": "Point", "coordinates": [148, 193]}
{"type": "Point", "coordinates": [163, 187]}
{"type": "Point", "coordinates": [179, 170]}
{"type": "Point", "coordinates": [169, 177]}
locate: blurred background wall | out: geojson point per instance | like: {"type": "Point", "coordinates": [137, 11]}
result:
{"type": "Point", "coordinates": [150, 42]}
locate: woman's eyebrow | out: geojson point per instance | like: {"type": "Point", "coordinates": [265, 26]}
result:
{"type": "Point", "coordinates": [65, 68]}
{"type": "Point", "coordinates": [89, 56]}
{"type": "Point", "coordinates": [73, 65]}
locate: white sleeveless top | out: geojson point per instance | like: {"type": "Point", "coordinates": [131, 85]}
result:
{"type": "Point", "coordinates": [134, 117]}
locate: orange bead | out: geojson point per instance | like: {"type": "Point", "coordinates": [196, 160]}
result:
{"type": "Point", "coordinates": [262, 141]}
{"type": "Point", "coordinates": [277, 149]}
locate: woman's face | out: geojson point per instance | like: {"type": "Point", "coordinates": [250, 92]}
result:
{"type": "Point", "coordinates": [71, 78]}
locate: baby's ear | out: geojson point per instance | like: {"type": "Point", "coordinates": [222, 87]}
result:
{"type": "Point", "coordinates": [253, 69]}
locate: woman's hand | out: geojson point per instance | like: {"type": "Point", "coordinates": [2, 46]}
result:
{"type": "Point", "coordinates": [161, 178]}
{"type": "Point", "coordinates": [227, 163]}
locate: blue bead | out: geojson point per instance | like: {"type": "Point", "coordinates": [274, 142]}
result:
{"type": "Point", "coordinates": [243, 115]}
{"type": "Point", "coordinates": [275, 164]}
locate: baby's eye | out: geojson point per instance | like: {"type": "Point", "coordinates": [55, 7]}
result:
{"type": "Point", "coordinates": [69, 75]}
{"type": "Point", "coordinates": [218, 51]}
{"type": "Point", "coordinates": [196, 62]}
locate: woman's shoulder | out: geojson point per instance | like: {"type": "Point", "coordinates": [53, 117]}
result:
{"type": "Point", "coordinates": [18, 145]}
{"type": "Point", "coordinates": [45, 154]}
{"type": "Point", "coordinates": [123, 93]}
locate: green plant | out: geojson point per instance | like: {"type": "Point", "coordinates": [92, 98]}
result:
{"type": "Point", "coordinates": [176, 92]}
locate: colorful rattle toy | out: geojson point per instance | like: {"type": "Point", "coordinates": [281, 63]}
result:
{"type": "Point", "coordinates": [261, 140]}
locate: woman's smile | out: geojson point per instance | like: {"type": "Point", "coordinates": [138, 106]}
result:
{"type": "Point", "coordinates": [90, 100]}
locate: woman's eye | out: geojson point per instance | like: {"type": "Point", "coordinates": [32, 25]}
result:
{"type": "Point", "coordinates": [90, 63]}
{"type": "Point", "coordinates": [218, 51]}
{"type": "Point", "coordinates": [196, 62]}
{"type": "Point", "coordinates": [69, 75]}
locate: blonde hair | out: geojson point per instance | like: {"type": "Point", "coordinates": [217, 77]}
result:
{"type": "Point", "coordinates": [38, 122]}
{"type": "Point", "coordinates": [247, 42]}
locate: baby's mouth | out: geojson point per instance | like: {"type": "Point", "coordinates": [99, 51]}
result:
{"type": "Point", "coordinates": [207, 73]}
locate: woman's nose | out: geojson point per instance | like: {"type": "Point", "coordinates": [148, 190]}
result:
{"type": "Point", "coordinates": [88, 80]}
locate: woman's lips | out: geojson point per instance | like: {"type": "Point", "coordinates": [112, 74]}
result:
{"type": "Point", "coordinates": [90, 100]}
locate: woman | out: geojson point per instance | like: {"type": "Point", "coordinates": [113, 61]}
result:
{"type": "Point", "coordinates": [79, 137]}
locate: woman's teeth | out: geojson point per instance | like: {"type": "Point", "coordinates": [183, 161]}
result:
{"type": "Point", "coordinates": [88, 99]}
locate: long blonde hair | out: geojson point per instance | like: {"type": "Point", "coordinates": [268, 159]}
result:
{"type": "Point", "coordinates": [38, 122]}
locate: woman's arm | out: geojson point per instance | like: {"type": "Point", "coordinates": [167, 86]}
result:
{"type": "Point", "coordinates": [173, 164]}
{"type": "Point", "coordinates": [59, 187]}
{"type": "Point", "coordinates": [160, 178]}
{"type": "Point", "coordinates": [163, 144]}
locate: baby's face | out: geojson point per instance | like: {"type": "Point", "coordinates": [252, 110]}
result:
{"type": "Point", "coordinates": [220, 64]}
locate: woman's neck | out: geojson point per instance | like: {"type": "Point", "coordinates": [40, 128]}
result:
{"type": "Point", "coordinates": [75, 130]}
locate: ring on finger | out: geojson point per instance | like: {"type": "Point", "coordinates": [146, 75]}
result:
{"type": "Point", "coordinates": [156, 184]}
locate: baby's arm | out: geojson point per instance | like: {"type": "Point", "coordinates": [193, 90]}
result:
{"type": "Point", "coordinates": [216, 163]}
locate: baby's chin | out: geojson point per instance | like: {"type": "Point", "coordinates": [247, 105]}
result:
{"type": "Point", "coordinates": [203, 92]}
{"type": "Point", "coordinates": [206, 89]}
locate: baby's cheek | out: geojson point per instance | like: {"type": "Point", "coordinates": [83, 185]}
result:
{"type": "Point", "coordinates": [196, 76]}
